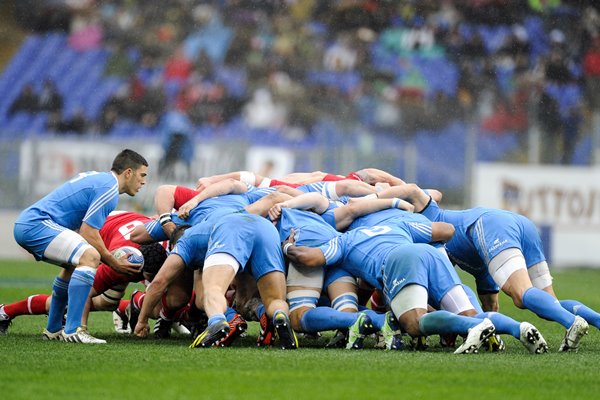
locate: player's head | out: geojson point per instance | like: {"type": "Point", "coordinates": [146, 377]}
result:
{"type": "Point", "coordinates": [177, 234]}
{"type": "Point", "coordinates": [132, 169]}
{"type": "Point", "coordinates": [128, 159]}
{"type": "Point", "coordinates": [154, 257]}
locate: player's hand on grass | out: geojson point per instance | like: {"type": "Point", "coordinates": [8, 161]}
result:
{"type": "Point", "coordinates": [142, 329]}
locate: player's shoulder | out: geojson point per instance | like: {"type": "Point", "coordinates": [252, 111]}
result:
{"type": "Point", "coordinates": [95, 179]}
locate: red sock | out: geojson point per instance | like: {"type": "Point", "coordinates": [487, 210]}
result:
{"type": "Point", "coordinates": [33, 305]}
{"type": "Point", "coordinates": [138, 299]}
{"type": "Point", "coordinates": [377, 301]}
{"type": "Point", "coordinates": [182, 314]}
{"type": "Point", "coordinates": [122, 306]}
{"type": "Point", "coordinates": [166, 312]}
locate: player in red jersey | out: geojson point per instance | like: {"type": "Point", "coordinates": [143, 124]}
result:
{"type": "Point", "coordinates": [109, 285]}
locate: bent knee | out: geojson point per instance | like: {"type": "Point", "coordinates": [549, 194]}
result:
{"type": "Point", "coordinates": [90, 258]}
{"type": "Point", "coordinates": [412, 328]}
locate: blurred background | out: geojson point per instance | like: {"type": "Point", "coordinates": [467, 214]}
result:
{"type": "Point", "coordinates": [492, 102]}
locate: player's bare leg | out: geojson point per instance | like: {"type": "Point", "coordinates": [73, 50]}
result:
{"type": "Point", "coordinates": [272, 289]}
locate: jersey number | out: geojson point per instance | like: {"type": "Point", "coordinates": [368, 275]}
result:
{"type": "Point", "coordinates": [126, 229]}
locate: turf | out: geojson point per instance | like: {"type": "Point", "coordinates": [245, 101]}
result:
{"type": "Point", "coordinates": [129, 368]}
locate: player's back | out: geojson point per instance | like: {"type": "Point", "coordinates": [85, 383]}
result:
{"type": "Point", "coordinates": [216, 207]}
{"type": "Point", "coordinates": [363, 251]}
{"type": "Point", "coordinates": [83, 198]}
{"type": "Point", "coordinates": [461, 248]}
{"type": "Point", "coordinates": [116, 231]}
{"type": "Point", "coordinates": [309, 228]}
{"type": "Point", "coordinates": [192, 246]}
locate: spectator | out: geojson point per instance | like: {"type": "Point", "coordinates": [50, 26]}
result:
{"type": "Point", "coordinates": [558, 66]}
{"type": "Point", "coordinates": [551, 124]}
{"type": "Point", "coordinates": [340, 56]}
{"type": "Point", "coordinates": [262, 112]}
{"type": "Point", "coordinates": [178, 67]}
{"type": "Point", "coordinates": [57, 123]}
{"type": "Point", "coordinates": [571, 124]}
{"type": "Point", "coordinates": [27, 101]}
{"type": "Point", "coordinates": [49, 98]}
{"type": "Point", "coordinates": [119, 63]}
{"type": "Point", "coordinates": [591, 71]}
{"type": "Point", "coordinates": [176, 131]}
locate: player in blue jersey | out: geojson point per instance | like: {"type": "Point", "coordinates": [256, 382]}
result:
{"type": "Point", "coordinates": [212, 210]}
{"type": "Point", "coordinates": [236, 242]}
{"type": "Point", "coordinates": [503, 250]}
{"type": "Point", "coordinates": [63, 228]}
{"type": "Point", "coordinates": [193, 207]}
{"type": "Point", "coordinates": [304, 285]}
{"type": "Point", "coordinates": [409, 274]}
{"type": "Point", "coordinates": [406, 273]}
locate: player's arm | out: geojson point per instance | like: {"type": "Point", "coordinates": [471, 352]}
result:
{"type": "Point", "coordinates": [247, 177]}
{"type": "Point", "coordinates": [441, 231]}
{"type": "Point", "coordinates": [304, 178]}
{"type": "Point", "coordinates": [141, 235]}
{"type": "Point", "coordinates": [221, 188]}
{"type": "Point", "coordinates": [121, 265]}
{"type": "Point", "coordinates": [262, 206]}
{"type": "Point", "coordinates": [435, 194]}
{"type": "Point", "coordinates": [164, 202]}
{"type": "Point", "coordinates": [291, 191]}
{"type": "Point", "coordinates": [489, 301]}
{"type": "Point", "coordinates": [307, 201]}
{"type": "Point", "coordinates": [352, 188]}
{"type": "Point", "coordinates": [166, 274]}
{"type": "Point", "coordinates": [356, 208]}
{"type": "Point", "coordinates": [374, 175]}
{"type": "Point", "coordinates": [164, 199]}
{"type": "Point", "coordinates": [409, 192]}
{"type": "Point", "coordinates": [310, 257]}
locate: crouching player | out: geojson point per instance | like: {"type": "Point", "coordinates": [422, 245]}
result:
{"type": "Point", "coordinates": [238, 241]}
{"type": "Point", "coordinates": [109, 285]}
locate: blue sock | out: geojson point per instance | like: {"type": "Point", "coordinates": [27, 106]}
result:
{"type": "Point", "coordinates": [325, 319]}
{"type": "Point", "coordinates": [260, 311]}
{"type": "Point", "coordinates": [60, 297]}
{"type": "Point", "coordinates": [229, 313]}
{"type": "Point", "coordinates": [503, 323]}
{"type": "Point", "coordinates": [79, 289]}
{"type": "Point", "coordinates": [216, 318]}
{"type": "Point", "coordinates": [547, 307]}
{"type": "Point", "coordinates": [442, 322]}
{"type": "Point", "coordinates": [577, 308]}
{"type": "Point", "coordinates": [378, 319]}
{"type": "Point", "coordinates": [473, 298]}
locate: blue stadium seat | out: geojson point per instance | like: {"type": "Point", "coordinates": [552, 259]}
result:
{"type": "Point", "coordinates": [583, 151]}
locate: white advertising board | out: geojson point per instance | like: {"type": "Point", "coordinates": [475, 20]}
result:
{"type": "Point", "coordinates": [564, 199]}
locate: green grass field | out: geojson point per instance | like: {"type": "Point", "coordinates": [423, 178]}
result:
{"type": "Point", "coordinates": [128, 368]}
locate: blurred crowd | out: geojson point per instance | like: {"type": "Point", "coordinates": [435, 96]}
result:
{"type": "Point", "coordinates": [396, 67]}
